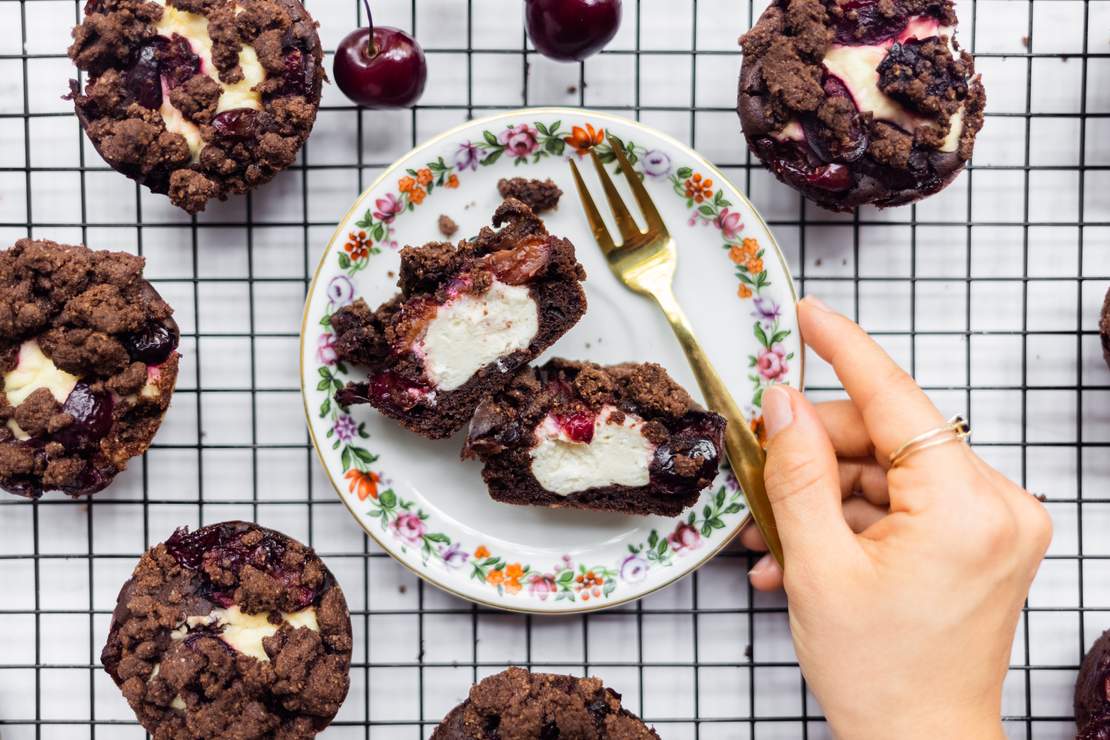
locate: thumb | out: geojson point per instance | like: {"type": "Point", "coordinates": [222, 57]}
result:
{"type": "Point", "coordinates": [802, 480]}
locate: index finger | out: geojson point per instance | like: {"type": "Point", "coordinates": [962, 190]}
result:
{"type": "Point", "coordinates": [893, 406]}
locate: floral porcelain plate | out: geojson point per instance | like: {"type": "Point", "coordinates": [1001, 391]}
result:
{"type": "Point", "coordinates": [429, 509]}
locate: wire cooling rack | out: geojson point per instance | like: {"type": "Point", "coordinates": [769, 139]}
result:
{"type": "Point", "coordinates": [988, 291]}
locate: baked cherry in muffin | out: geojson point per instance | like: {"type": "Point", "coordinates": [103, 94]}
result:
{"type": "Point", "coordinates": [199, 99]}
{"type": "Point", "coordinates": [622, 438]}
{"type": "Point", "coordinates": [231, 631]}
{"type": "Point", "coordinates": [467, 317]}
{"type": "Point", "coordinates": [1092, 692]}
{"type": "Point", "coordinates": [88, 361]}
{"type": "Point", "coordinates": [1104, 328]}
{"type": "Point", "coordinates": [516, 704]}
{"type": "Point", "coordinates": [860, 101]}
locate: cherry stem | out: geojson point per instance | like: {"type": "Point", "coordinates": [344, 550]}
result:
{"type": "Point", "coordinates": [372, 47]}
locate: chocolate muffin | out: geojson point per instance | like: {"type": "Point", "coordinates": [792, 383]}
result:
{"type": "Point", "coordinates": [518, 705]}
{"type": "Point", "coordinates": [88, 363]}
{"type": "Point", "coordinates": [199, 99]}
{"type": "Point", "coordinates": [853, 102]}
{"type": "Point", "coordinates": [231, 631]}
{"type": "Point", "coordinates": [1092, 692]}
{"type": "Point", "coordinates": [622, 438]}
{"type": "Point", "coordinates": [466, 319]}
{"type": "Point", "coordinates": [1104, 328]}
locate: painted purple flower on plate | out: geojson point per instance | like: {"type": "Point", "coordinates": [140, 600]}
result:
{"type": "Point", "coordinates": [656, 163]}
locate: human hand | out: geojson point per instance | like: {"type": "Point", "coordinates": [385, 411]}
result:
{"type": "Point", "coordinates": [903, 630]}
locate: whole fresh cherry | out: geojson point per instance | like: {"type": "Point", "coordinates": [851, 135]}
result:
{"type": "Point", "coordinates": [571, 30]}
{"type": "Point", "coordinates": [380, 67]}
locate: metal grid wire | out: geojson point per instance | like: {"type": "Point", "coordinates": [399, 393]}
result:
{"type": "Point", "coordinates": [988, 292]}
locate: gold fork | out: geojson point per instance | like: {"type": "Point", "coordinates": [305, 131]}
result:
{"type": "Point", "coordinates": [645, 262]}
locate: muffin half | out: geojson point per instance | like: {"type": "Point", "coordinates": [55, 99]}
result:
{"type": "Point", "coordinates": [624, 438]}
{"type": "Point", "coordinates": [467, 317]}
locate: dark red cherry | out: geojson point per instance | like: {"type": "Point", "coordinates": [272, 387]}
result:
{"type": "Point", "coordinates": [835, 88]}
{"type": "Point", "coordinates": [392, 391]}
{"type": "Point", "coordinates": [176, 60]}
{"type": "Point", "coordinates": [24, 487]}
{"type": "Point", "coordinates": [571, 30]}
{"type": "Point", "coordinates": [143, 80]}
{"type": "Point", "coordinates": [221, 547]}
{"type": "Point", "coordinates": [521, 263]}
{"type": "Point", "coordinates": [825, 143]}
{"type": "Point", "coordinates": [830, 177]}
{"type": "Point", "coordinates": [237, 123]}
{"type": "Point", "coordinates": [799, 164]}
{"type": "Point", "coordinates": [386, 390]}
{"type": "Point", "coordinates": [300, 73]}
{"type": "Point", "coordinates": [380, 67]}
{"type": "Point", "coordinates": [91, 480]}
{"type": "Point", "coordinates": [153, 343]}
{"type": "Point", "coordinates": [92, 417]}
{"type": "Point", "coordinates": [188, 548]}
{"type": "Point", "coordinates": [579, 426]}
{"type": "Point", "coordinates": [698, 439]}
{"type": "Point", "coordinates": [862, 22]}
{"type": "Point", "coordinates": [1097, 730]}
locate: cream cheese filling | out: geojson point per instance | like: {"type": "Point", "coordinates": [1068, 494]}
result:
{"type": "Point", "coordinates": [618, 454]}
{"type": "Point", "coordinates": [194, 27]}
{"type": "Point", "coordinates": [471, 331]}
{"type": "Point", "coordinates": [245, 632]}
{"type": "Point", "coordinates": [34, 370]}
{"type": "Point", "coordinates": [858, 67]}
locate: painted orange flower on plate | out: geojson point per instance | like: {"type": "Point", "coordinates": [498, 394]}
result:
{"type": "Point", "coordinates": [364, 484]}
{"type": "Point", "coordinates": [583, 139]}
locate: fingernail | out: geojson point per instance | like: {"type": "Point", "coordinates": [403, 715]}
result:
{"type": "Point", "coordinates": [812, 300]}
{"type": "Point", "coordinates": [777, 414]}
{"type": "Point", "coordinates": [766, 563]}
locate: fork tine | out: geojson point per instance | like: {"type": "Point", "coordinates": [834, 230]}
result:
{"type": "Point", "coordinates": [630, 230]}
{"type": "Point", "coordinates": [651, 213]}
{"type": "Point", "coordinates": [597, 225]}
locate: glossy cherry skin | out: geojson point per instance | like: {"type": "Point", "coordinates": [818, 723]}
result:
{"type": "Point", "coordinates": [393, 77]}
{"type": "Point", "coordinates": [571, 30]}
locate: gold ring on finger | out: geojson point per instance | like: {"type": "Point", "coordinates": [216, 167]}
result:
{"type": "Point", "coordinates": [955, 429]}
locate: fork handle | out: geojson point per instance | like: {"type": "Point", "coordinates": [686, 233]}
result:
{"type": "Point", "coordinates": [745, 453]}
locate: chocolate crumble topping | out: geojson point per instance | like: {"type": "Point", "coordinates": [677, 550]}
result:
{"type": "Point", "coordinates": [185, 681]}
{"type": "Point", "coordinates": [93, 316]}
{"type": "Point", "coordinates": [806, 125]}
{"type": "Point", "coordinates": [130, 64]}
{"type": "Point", "coordinates": [518, 705]}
